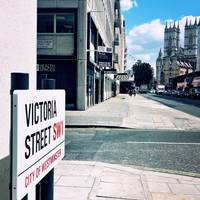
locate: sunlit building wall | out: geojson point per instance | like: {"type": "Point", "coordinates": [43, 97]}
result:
{"type": "Point", "coordinates": [69, 36]}
{"type": "Point", "coordinates": [18, 54]}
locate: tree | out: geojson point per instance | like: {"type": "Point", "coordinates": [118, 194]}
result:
{"type": "Point", "coordinates": [143, 73]}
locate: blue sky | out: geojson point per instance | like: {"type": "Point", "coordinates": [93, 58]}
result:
{"type": "Point", "coordinates": [145, 22]}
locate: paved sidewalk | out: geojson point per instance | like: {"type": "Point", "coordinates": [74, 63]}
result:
{"type": "Point", "coordinates": [130, 112]}
{"type": "Point", "coordinates": [79, 180]}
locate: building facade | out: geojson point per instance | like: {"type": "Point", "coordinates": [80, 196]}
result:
{"type": "Point", "coordinates": [70, 34]}
{"type": "Point", "coordinates": [198, 49]}
{"type": "Point", "coordinates": [18, 54]}
{"type": "Point", "coordinates": [177, 60]}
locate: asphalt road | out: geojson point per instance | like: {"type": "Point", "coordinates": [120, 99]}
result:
{"type": "Point", "coordinates": [190, 106]}
{"type": "Point", "coordinates": [177, 151]}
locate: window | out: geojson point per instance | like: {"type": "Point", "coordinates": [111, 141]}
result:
{"type": "Point", "coordinates": [45, 24]}
{"type": "Point", "coordinates": [56, 23]}
{"type": "Point", "coordinates": [65, 23]}
{"type": "Point", "coordinates": [190, 38]}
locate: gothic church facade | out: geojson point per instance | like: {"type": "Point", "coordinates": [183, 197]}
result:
{"type": "Point", "coordinates": [176, 59]}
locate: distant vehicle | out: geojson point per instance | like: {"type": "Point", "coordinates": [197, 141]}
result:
{"type": "Point", "coordinates": [179, 93]}
{"type": "Point", "coordinates": [152, 91]}
{"type": "Point", "coordinates": [194, 92]}
{"type": "Point", "coordinates": [197, 92]}
{"type": "Point", "coordinates": [143, 88]}
{"type": "Point", "coordinates": [186, 94]}
{"type": "Point", "coordinates": [160, 89]}
{"type": "Point", "coordinates": [168, 92]}
{"type": "Point", "coordinates": [173, 92]}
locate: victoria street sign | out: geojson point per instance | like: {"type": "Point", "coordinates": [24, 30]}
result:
{"type": "Point", "coordinates": [38, 136]}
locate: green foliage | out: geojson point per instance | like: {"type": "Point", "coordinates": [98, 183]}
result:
{"type": "Point", "coordinates": [143, 73]}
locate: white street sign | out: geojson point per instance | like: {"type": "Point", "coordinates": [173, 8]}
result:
{"type": "Point", "coordinates": [45, 44]}
{"type": "Point", "coordinates": [38, 136]}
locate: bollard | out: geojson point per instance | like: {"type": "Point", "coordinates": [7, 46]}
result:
{"type": "Point", "coordinates": [48, 84]}
{"type": "Point", "coordinates": [19, 81]}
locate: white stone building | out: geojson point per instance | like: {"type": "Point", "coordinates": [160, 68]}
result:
{"type": "Point", "coordinates": [18, 54]}
{"type": "Point", "coordinates": [70, 33]}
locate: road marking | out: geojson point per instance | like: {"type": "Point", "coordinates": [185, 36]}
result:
{"type": "Point", "coordinates": [172, 143]}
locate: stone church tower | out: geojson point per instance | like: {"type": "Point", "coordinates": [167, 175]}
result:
{"type": "Point", "coordinates": [177, 60]}
{"type": "Point", "coordinates": [171, 39]}
{"type": "Point", "coordinates": [191, 43]}
{"type": "Point", "coordinates": [198, 51]}
{"type": "Point", "coordinates": [159, 66]}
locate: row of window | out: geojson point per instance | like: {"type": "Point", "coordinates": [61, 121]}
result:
{"type": "Point", "coordinates": [56, 23]}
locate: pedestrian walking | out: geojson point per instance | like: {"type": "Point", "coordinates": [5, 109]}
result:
{"type": "Point", "coordinates": [134, 92]}
{"type": "Point", "coordinates": [130, 92]}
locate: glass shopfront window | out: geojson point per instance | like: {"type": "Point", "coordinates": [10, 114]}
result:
{"type": "Point", "coordinates": [56, 23]}
{"type": "Point", "coordinates": [65, 23]}
{"type": "Point", "coordinates": [45, 24]}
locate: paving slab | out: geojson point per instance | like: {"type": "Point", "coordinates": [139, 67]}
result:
{"type": "Point", "coordinates": [184, 189]}
{"type": "Point", "coordinates": [109, 181]}
{"type": "Point", "coordinates": [161, 196]}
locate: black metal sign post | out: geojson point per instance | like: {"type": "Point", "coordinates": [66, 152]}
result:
{"type": "Point", "coordinates": [45, 188]}
{"type": "Point", "coordinates": [19, 81]}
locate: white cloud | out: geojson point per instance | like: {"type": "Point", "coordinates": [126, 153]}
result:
{"type": "Point", "coordinates": [144, 41]}
{"type": "Point", "coordinates": [148, 31]}
{"type": "Point", "coordinates": [128, 4]}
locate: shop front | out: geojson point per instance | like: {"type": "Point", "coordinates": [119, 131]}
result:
{"type": "Point", "coordinates": [64, 73]}
{"type": "Point", "coordinates": [98, 86]}
{"type": "Point", "coordinates": [90, 85]}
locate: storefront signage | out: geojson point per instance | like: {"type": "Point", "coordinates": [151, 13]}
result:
{"type": "Point", "coordinates": [104, 49]}
{"type": "Point", "coordinates": [44, 44]}
{"type": "Point", "coordinates": [122, 77]}
{"type": "Point", "coordinates": [38, 136]}
{"type": "Point", "coordinates": [104, 57]}
{"type": "Point", "coordinates": [110, 71]}
{"type": "Point", "coordinates": [46, 67]}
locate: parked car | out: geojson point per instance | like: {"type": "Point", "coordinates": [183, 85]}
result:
{"type": "Point", "coordinates": [186, 93]}
{"type": "Point", "coordinates": [197, 92]}
{"type": "Point", "coordinates": [173, 92]}
{"type": "Point", "coordinates": [179, 93]}
{"type": "Point", "coordinates": [143, 88]}
{"type": "Point", "coordinates": [152, 91]}
{"type": "Point", "coordinates": [160, 89]}
{"type": "Point", "coordinates": [168, 92]}
{"type": "Point", "coordinates": [194, 92]}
